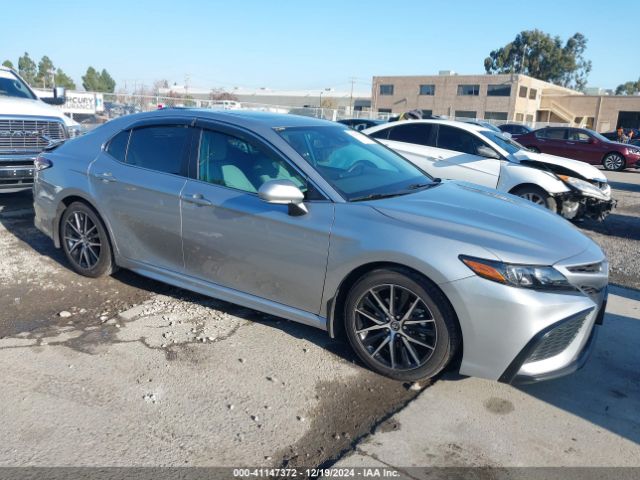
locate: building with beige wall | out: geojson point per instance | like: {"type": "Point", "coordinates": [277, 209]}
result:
{"type": "Point", "coordinates": [502, 98]}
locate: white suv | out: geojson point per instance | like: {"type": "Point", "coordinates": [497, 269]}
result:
{"type": "Point", "coordinates": [472, 153]}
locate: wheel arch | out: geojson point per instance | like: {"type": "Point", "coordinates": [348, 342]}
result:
{"type": "Point", "coordinates": [64, 203]}
{"type": "Point", "coordinates": [335, 320]}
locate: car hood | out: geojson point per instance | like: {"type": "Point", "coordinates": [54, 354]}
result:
{"type": "Point", "coordinates": [513, 229]}
{"type": "Point", "coordinates": [32, 108]}
{"type": "Point", "coordinates": [581, 168]}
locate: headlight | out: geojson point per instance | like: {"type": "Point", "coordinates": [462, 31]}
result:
{"type": "Point", "coordinates": [633, 151]}
{"type": "Point", "coordinates": [521, 276]}
{"type": "Point", "coordinates": [584, 187]}
{"type": "Point", "coordinates": [74, 131]}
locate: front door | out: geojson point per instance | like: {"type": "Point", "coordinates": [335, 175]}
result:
{"type": "Point", "coordinates": [234, 239]}
{"type": "Point", "coordinates": [137, 181]}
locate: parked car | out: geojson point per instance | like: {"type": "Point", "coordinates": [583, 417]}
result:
{"type": "Point", "coordinates": [315, 222]}
{"type": "Point", "coordinates": [28, 124]}
{"type": "Point", "coordinates": [515, 129]}
{"type": "Point", "coordinates": [360, 123]}
{"type": "Point", "coordinates": [582, 144]}
{"type": "Point", "coordinates": [462, 151]}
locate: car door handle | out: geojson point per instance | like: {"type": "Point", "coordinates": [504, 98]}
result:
{"type": "Point", "coordinates": [106, 177]}
{"type": "Point", "coordinates": [196, 199]}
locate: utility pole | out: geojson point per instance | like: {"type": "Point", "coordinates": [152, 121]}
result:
{"type": "Point", "coordinates": [353, 80]}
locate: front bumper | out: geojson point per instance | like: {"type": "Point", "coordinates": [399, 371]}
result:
{"type": "Point", "coordinates": [574, 206]}
{"type": "Point", "coordinates": [16, 172]}
{"type": "Point", "coordinates": [515, 335]}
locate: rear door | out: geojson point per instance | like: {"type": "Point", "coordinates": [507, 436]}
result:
{"type": "Point", "coordinates": [553, 141]}
{"type": "Point", "coordinates": [137, 181]}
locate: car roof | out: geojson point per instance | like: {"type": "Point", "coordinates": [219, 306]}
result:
{"type": "Point", "coordinates": [245, 118]}
{"type": "Point", "coordinates": [472, 127]}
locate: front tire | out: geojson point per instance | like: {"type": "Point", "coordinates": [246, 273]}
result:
{"type": "Point", "coordinates": [85, 241]}
{"type": "Point", "coordinates": [401, 325]}
{"type": "Point", "coordinates": [614, 162]}
{"type": "Point", "coordinates": [538, 196]}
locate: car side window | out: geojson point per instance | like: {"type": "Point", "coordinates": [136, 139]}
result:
{"type": "Point", "coordinates": [117, 146]}
{"type": "Point", "coordinates": [160, 148]}
{"type": "Point", "coordinates": [383, 134]}
{"type": "Point", "coordinates": [578, 136]}
{"type": "Point", "coordinates": [456, 139]}
{"type": "Point", "coordinates": [553, 133]}
{"type": "Point", "coordinates": [235, 163]}
{"type": "Point", "coordinates": [409, 132]}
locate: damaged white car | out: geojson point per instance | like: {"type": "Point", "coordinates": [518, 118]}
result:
{"type": "Point", "coordinates": [463, 151]}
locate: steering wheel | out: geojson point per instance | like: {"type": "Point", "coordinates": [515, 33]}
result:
{"type": "Point", "coordinates": [358, 167]}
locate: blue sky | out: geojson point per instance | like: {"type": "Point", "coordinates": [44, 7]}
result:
{"type": "Point", "coordinates": [304, 44]}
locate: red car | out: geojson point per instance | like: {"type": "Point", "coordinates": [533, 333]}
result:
{"type": "Point", "coordinates": [582, 144]}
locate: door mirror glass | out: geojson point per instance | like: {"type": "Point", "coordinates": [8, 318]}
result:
{"type": "Point", "coordinates": [487, 152]}
{"type": "Point", "coordinates": [283, 192]}
{"type": "Point", "coordinates": [58, 98]}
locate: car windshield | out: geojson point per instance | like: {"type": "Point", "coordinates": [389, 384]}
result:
{"type": "Point", "coordinates": [508, 145]}
{"type": "Point", "coordinates": [358, 167]}
{"type": "Point", "coordinates": [12, 86]}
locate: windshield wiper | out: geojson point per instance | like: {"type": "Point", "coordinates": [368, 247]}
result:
{"type": "Point", "coordinates": [377, 196]}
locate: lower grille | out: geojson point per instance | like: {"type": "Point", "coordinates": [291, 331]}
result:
{"type": "Point", "coordinates": [555, 341]}
{"type": "Point", "coordinates": [24, 135]}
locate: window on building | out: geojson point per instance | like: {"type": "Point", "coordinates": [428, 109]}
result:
{"type": "Point", "coordinates": [496, 115]}
{"type": "Point", "coordinates": [519, 117]}
{"type": "Point", "coordinates": [427, 89]}
{"type": "Point", "coordinates": [523, 92]}
{"type": "Point", "coordinates": [529, 118]}
{"type": "Point", "coordinates": [500, 90]}
{"type": "Point", "coordinates": [160, 148]}
{"type": "Point", "coordinates": [386, 89]}
{"type": "Point", "coordinates": [466, 114]}
{"type": "Point", "coordinates": [473, 90]}
{"type": "Point", "coordinates": [533, 93]}
{"type": "Point", "coordinates": [384, 110]}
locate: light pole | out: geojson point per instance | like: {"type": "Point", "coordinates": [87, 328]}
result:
{"type": "Point", "coordinates": [321, 112]}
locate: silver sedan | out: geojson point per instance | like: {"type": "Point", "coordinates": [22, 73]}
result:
{"type": "Point", "coordinates": [317, 223]}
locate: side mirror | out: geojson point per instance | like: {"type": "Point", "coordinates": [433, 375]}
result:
{"type": "Point", "coordinates": [488, 152]}
{"type": "Point", "coordinates": [59, 97]}
{"type": "Point", "coordinates": [283, 192]}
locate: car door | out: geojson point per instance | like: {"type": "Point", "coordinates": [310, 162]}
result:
{"type": "Point", "coordinates": [457, 158]}
{"type": "Point", "coordinates": [582, 146]}
{"type": "Point", "coordinates": [413, 140]}
{"type": "Point", "coordinates": [553, 141]}
{"type": "Point", "coordinates": [137, 181]}
{"type": "Point", "coordinates": [234, 239]}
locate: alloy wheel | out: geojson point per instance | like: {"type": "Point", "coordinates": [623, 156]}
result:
{"type": "Point", "coordinates": [534, 197]}
{"type": "Point", "coordinates": [395, 327]}
{"type": "Point", "coordinates": [613, 161]}
{"type": "Point", "coordinates": [82, 240]}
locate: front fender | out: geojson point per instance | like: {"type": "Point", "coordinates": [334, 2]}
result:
{"type": "Point", "coordinates": [514, 174]}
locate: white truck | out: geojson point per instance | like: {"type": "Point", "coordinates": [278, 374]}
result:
{"type": "Point", "coordinates": [28, 124]}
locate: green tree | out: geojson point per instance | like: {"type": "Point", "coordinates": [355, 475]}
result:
{"type": "Point", "coordinates": [94, 81]}
{"type": "Point", "coordinates": [539, 55]}
{"type": "Point", "coordinates": [628, 88]}
{"type": "Point", "coordinates": [46, 70]}
{"type": "Point", "coordinates": [7, 63]}
{"type": "Point", "coordinates": [64, 80]}
{"type": "Point", "coordinates": [27, 68]}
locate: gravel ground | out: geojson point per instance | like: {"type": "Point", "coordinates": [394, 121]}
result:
{"type": "Point", "coordinates": [161, 376]}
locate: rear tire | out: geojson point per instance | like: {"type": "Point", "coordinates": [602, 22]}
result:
{"type": "Point", "coordinates": [614, 162]}
{"type": "Point", "coordinates": [410, 338]}
{"type": "Point", "coordinates": [538, 196]}
{"type": "Point", "coordinates": [85, 241]}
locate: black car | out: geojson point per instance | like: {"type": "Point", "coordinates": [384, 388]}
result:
{"type": "Point", "coordinates": [360, 123]}
{"type": "Point", "coordinates": [515, 129]}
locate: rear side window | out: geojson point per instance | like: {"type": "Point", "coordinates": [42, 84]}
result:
{"type": "Point", "coordinates": [456, 139]}
{"type": "Point", "coordinates": [160, 148]}
{"type": "Point", "coordinates": [117, 147]}
{"type": "Point", "coordinates": [384, 133]}
{"type": "Point", "coordinates": [552, 133]}
{"type": "Point", "coordinates": [410, 132]}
